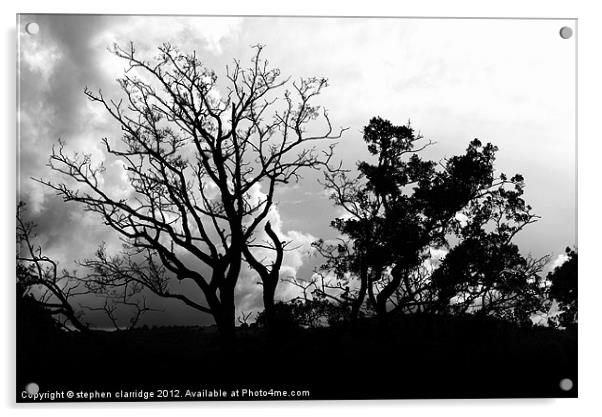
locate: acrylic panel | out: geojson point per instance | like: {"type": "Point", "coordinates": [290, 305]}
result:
{"type": "Point", "coordinates": [295, 208]}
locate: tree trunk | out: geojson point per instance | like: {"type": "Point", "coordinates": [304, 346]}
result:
{"type": "Point", "coordinates": [226, 320]}
{"type": "Point", "coordinates": [227, 312]}
{"type": "Point", "coordinates": [381, 299]}
{"type": "Point", "coordinates": [357, 303]}
{"type": "Point", "coordinates": [371, 295]}
{"type": "Point", "coordinates": [269, 290]}
{"type": "Point", "coordinates": [269, 277]}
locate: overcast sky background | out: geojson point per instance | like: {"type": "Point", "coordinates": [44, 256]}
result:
{"type": "Point", "coordinates": [510, 82]}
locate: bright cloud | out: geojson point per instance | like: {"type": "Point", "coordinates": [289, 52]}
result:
{"type": "Point", "coordinates": [39, 57]}
{"type": "Point", "coordinates": [297, 251]}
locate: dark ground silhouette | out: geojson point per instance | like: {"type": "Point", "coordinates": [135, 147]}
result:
{"type": "Point", "coordinates": [416, 356]}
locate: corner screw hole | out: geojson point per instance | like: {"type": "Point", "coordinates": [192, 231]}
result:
{"type": "Point", "coordinates": [32, 388]}
{"type": "Point", "coordinates": [566, 384]}
{"type": "Point", "coordinates": [566, 32]}
{"type": "Point", "coordinates": [32, 28]}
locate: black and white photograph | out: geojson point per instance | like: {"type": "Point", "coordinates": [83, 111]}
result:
{"type": "Point", "coordinates": [295, 208]}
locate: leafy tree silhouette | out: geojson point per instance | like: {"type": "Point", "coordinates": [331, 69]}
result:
{"type": "Point", "coordinates": [564, 288]}
{"type": "Point", "coordinates": [196, 156]}
{"type": "Point", "coordinates": [401, 207]}
{"type": "Point", "coordinates": [490, 277]}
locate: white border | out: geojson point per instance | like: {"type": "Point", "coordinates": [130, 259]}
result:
{"type": "Point", "coordinates": [590, 153]}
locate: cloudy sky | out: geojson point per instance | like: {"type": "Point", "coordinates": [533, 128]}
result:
{"type": "Point", "coordinates": [510, 82]}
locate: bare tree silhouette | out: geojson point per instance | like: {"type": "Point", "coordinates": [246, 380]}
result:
{"type": "Point", "coordinates": [64, 294]}
{"type": "Point", "coordinates": [203, 167]}
{"type": "Point", "coordinates": [40, 280]}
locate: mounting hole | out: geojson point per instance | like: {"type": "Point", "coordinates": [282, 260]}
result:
{"type": "Point", "coordinates": [566, 32]}
{"type": "Point", "coordinates": [32, 28]}
{"type": "Point", "coordinates": [566, 384]}
{"type": "Point", "coordinates": [32, 388]}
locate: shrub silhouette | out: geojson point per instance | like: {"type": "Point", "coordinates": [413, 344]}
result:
{"type": "Point", "coordinates": [284, 318]}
